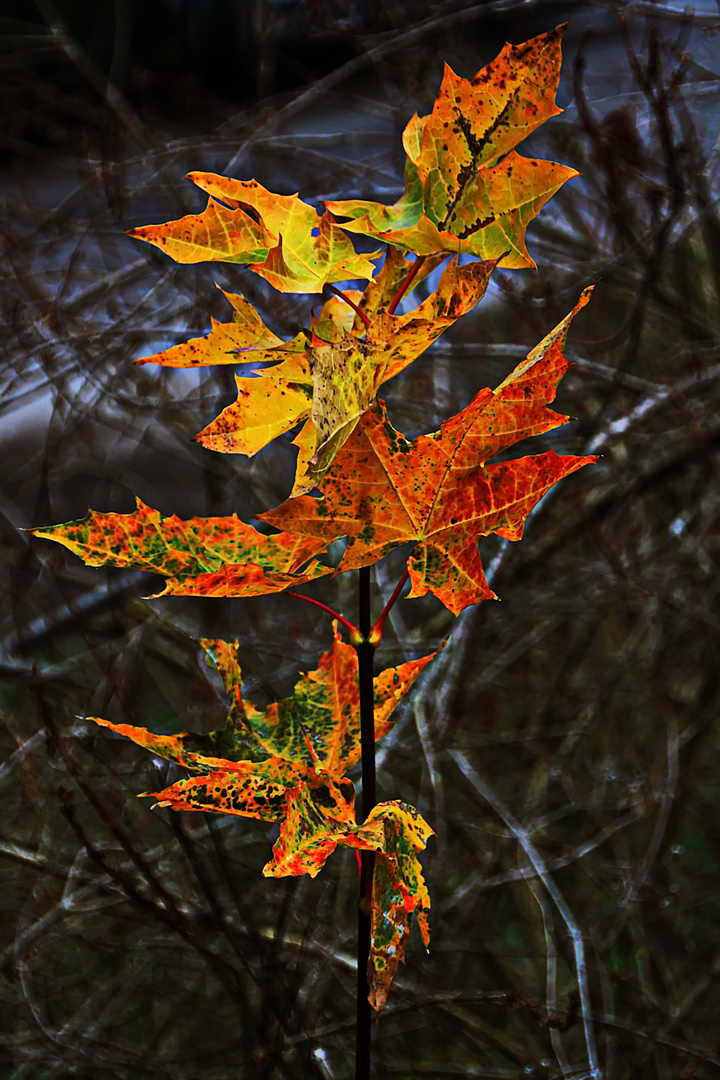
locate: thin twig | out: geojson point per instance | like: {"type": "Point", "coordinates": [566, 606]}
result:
{"type": "Point", "coordinates": [551, 977]}
{"type": "Point", "coordinates": [556, 896]}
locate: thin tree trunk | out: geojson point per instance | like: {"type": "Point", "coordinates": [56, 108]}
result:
{"type": "Point", "coordinates": [365, 652]}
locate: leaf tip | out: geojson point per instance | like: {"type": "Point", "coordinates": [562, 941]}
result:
{"type": "Point", "coordinates": [154, 794]}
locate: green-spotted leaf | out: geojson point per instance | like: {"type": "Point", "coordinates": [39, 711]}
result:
{"type": "Point", "coordinates": [399, 889]}
{"type": "Point", "coordinates": [317, 818]}
{"type": "Point", "coordinates": [217, 556]}
{"type": "Point", "coordinates": [287, 762]}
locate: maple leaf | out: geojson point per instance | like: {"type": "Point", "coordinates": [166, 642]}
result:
{"type": "Point", "coordinates": [286, 762]}
{"type": "Point", "coordinates": [216, 556]}
{"type": "Point", "coordinates": [466, 188]}
{"type": "Point", "coordinates": [348, 371]}
{"type": "Point", "coordinates": [327, 375]}
{"type": "Point", "coordinates": [317, 727]}
{"type": "Point", "coordinates": [277, 398]}
{"type": "Point", "coordinates": [337, 377]}
{"type": "Point", "coordinates": [246, 331]}
{"type": "Point", "coordinates": [398, 889]}
{"type": "Point", "coordinates": [279, 237]}
{"type": "Point", "coordinates": [317, 822]}
{"type": "Point", "coordinates": [438, 490]}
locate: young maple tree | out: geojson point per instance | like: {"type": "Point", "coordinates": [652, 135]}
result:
{"type": "Point", "coordinates": [467, 193]}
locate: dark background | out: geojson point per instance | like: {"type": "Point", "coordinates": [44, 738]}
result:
{"type": "Point", "coordinates": [574, 723]}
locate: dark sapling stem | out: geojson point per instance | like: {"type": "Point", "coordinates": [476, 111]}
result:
{"type": "Point", "coordinates": [365, 653]}
{"type": "Point", "coordinates": [350, 303]}
{"type": "Point", "coordinates": [406, 284]}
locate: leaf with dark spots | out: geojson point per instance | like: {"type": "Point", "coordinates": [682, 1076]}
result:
{"type": "Point", "coordinates": [244, 789]}
{"type": "Point", "coordinates": [343, 363]}
{"type": "Point", "coordinates": [439, 490]}
{"type": "Point", "coordinates": [399, 889]}
{"type": "Point", "coordinates": [287, 762]}
{"type": "Point", "coordinates": [312, 828]}
{"type": "Point", "coordinates": [245, 333]}
{"type": "Point", "coordinates": [466, 188]}
{"type": "Point", "coordinates": [217, 556]}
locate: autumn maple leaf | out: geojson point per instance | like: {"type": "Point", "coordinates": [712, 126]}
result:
{"type": "Point", "coordinates": [438, 490]}
{"type": "Point", "coordinates": [216, 556]}
{"type": "Point", "coordinates": [303, 743]}
{"type": "Point", "coordinates": [279, 237]}
{"type": "Point", "coordinates": [466, 188]}
{"type": "Point", "coordinates": [328, 375]}
{"type": "Point", "coordinates": [226, 341]}
{"type": "Point", "coordinates": [287, 764]}
{"type": "Point", "coordinates": [339, 377]}
{"type": "Point", "coordinates": [398, 887]}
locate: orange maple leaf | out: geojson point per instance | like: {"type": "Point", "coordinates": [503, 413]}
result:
{"type": "Point", "coordinates": [438, 490]}
{"type": "Point", "coordinates": [466, 188]}
{"type": "Point", "coordinates": [287, 763]}
{"type": "Point", "coordinates": [216, 556]}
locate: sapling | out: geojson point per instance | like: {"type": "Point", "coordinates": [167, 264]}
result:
{"type": "Point", "coordinates": [468, 199]}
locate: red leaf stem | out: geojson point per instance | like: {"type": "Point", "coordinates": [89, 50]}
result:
{"type": "Point", "coordinates": [355, 635]}
{"type": "Point", "coordinates": [375, 635]}
{"type": "Point", "coordinates": [406, 284]}
{"type": "Point", "coordinates": [350, 303]}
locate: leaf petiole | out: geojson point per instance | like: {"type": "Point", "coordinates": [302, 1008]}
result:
{"type": "Point", "coordinates": [355, 636]}
{"type": "Point", "coordinates": [406, 284]}
{"type": "Point", "coordinates": [375, 635]}
{"type": "Point", "coordinates": [350, 303]}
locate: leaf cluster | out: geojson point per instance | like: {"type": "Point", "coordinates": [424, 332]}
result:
{"type": "Point", "coordinates": [468, 195]}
